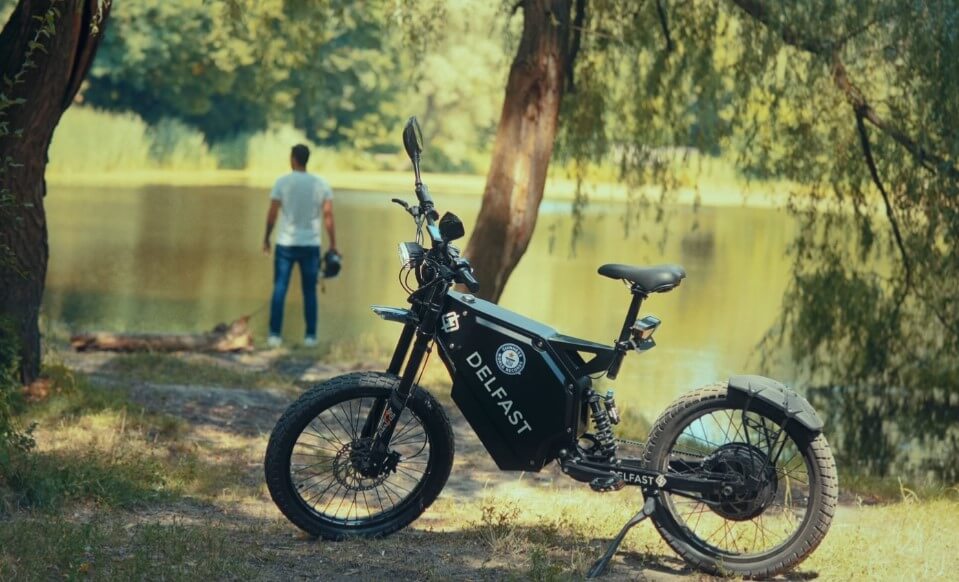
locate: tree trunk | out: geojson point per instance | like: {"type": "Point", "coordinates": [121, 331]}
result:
{"type": "Point", "coordinates": [524, 145]}
{"type": "Point", "coordinates": [45, 51]}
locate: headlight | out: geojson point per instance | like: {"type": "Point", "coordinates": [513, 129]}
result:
{"type": "Point", "coordinates": [410, 253]}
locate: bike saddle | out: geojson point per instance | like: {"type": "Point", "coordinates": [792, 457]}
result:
{"type": "Point", "coordinates": [656, 279]}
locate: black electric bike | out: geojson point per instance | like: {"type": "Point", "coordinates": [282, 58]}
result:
{"type": "Point", "coordinates": [737, 477]}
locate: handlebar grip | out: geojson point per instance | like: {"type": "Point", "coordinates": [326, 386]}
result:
{"type": "Point", "coordinates": [465, 276]}
{"type": "Point", "coordinates": [471, 283]}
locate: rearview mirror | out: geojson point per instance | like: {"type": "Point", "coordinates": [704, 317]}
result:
{"type": "Point", "coordinates": [451, 227]}
{"type": "Point", "coordinates": [413, 138]}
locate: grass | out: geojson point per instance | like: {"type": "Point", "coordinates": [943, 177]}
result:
{"type": "Point", "coordinates": [96, 447]}
{"type": "Point", "coordinates": [870, 489]}
{"type": "Point", "coordinates": [43, 548]}
{"type": "Point", "coordinates": [175, 369]}
{"type": "Point", "coordinates": [114, 491]}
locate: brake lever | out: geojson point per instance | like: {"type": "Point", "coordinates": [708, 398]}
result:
{"type": "Point", "coordinates": [412, 210]}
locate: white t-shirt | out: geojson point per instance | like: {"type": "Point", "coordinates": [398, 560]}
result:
{"type": "Point", "coordinates": [301, 197]}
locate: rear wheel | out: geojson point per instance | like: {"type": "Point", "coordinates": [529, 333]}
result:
{"type": "Point", "coordinates": [318, 465]}
{"type": "Point", "coordinates": [759, 532]}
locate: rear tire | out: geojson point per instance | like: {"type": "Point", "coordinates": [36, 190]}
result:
{"type": "Point", "coordinates": [814, 490]}
{"type": "Point", "coordinates": [298, 431]}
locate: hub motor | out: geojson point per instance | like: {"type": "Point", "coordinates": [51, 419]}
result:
{"type": "Point", "coordinates": [749, 464]}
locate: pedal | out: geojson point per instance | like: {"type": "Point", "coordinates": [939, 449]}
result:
{"type": "Point", "coordinates": [607, 484]}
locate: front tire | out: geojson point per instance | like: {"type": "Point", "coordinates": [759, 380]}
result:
{"type": "Point", "coordinates": [311, 461]}
{"type": "Point", "coordinates": [757, 537]}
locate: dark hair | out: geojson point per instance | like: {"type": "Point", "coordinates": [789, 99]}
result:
{"type": "Point", "coordinates": [301, 154]}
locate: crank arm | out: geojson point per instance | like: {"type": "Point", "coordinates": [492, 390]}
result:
{"type": "Point", "coordinates": [580, 471]}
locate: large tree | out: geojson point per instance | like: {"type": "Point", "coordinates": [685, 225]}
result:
{"type": "Point", "coordinates": [524, 142]}
{"type": "Point", "coordinates": [46, 48]}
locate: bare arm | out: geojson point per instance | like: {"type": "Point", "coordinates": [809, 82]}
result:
{"type": "Point", "coordinates": [270, 223]}
{"type": "Point", "coordinates": [329, 223]}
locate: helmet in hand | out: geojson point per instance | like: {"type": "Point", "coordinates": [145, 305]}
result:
{"type": "Point", "coordinates": [332, 262]}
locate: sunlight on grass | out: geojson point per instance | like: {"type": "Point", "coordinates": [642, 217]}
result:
{"type": "Point", "coordinates": [173, 369]}
{"type": "Point", "coordinates": [93, 445]}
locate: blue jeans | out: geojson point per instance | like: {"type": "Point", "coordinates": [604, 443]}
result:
{"type": "Point", "coordinates": [283, 260]}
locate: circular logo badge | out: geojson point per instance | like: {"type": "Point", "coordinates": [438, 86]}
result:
{"type": "Point", "coordinates": [510, 359]}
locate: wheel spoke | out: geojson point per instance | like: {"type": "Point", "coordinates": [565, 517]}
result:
{"type": "Point", "coordinates": [750, 448]}
{"type": "Point", "coordinates": [330, 464]}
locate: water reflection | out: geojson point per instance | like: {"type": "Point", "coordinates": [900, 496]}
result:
{"type": "Point", "coordinates": [163, 258]}
{"type": "Point", "coordinates": [885, 431]}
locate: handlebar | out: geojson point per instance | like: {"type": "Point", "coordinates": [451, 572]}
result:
{"type": "Point", "coordinates": [426, 202]}
{"type": "Point", "coordinates": [462, 272]}
{"type": "Point", "coordinates": [464, 275]}
{"type": "Point", "coordinates": [470, 281]}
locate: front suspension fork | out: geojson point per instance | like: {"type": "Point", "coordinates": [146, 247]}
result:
{"type": "Point", "coordinates": [391, 408]}
{"type": "Point", "coordinates": [396, 364]}
{"type": "Point", "coordinates": [381, 422]}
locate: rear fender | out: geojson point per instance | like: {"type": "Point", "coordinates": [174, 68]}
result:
{"type": "Point", "coordinates": [794, 407]}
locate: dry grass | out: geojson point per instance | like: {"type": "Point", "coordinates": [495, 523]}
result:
{"type": "Point", "coordinates": [135, 494]}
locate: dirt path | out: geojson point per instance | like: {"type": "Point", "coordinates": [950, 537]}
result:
{"type": "Point", "coordinates": [230, 427]}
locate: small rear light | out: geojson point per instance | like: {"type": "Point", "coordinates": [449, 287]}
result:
{"type": "Point", "coordinates": [644, 328]}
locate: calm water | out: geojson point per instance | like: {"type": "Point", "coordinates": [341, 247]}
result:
{"type": "Point", "coordinates": [164, 258]}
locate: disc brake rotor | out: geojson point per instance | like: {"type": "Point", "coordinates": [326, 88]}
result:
{"type": "Point", "coordinates": [352, 466]}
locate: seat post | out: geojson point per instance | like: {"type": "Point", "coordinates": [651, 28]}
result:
{"type": "Point", "coordinates": [632, 313]}
{"type": "Point", "coordinates": [622, 345]}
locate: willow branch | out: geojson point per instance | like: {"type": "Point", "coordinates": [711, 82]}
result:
{"type": "Point", "coordinates": [664, 24]}
{"type": "Point", "coordinates": [829, 49]}
{"type": "Point", "coordinates": [890, 214]}
{"type": "Point", "coordinates": [576, 43]}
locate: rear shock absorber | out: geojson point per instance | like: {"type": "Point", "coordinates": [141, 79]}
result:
{"type": "Point", "coordinates": [603, 424]}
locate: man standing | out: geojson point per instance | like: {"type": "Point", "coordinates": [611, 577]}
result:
{"type": "Point", "coordinates": [298, 198]}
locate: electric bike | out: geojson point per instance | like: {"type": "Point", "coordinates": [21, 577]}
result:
{"type": "Point", "coordinates": [736, 477]}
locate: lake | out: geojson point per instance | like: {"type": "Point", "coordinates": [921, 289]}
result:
{"type": "Point", "coordinates": [170, 259]}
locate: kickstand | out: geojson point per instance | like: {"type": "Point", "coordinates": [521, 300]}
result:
{"type": "Point", "coordinates": [601, 565]}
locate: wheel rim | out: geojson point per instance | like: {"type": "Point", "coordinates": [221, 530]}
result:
{"type": "Point", "coordinates": [325, 465]}
{"type": "Point", "coordinates": [746, 444]}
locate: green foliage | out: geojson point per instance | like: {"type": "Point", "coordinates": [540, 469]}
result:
{"type": "Point", "coordinates": [13, 439]}
{"type": "Point", "coordinates": [872, 307]}
{"type": "Point", "coordinates": [232, 67]}
{"type": "Point", "coordinates": [89, 142]}
{"type": "Point", "coordinates": [343, 74]}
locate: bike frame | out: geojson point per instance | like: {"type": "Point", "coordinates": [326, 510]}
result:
{"type": "Point", "coordinates": [564, 408]}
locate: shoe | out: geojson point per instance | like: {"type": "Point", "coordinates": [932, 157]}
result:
{"type": "Point", "coordinates": [309, 342]}
{"type": "Point", "coordinates": [274, 341]}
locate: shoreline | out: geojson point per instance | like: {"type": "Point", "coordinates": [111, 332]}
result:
{"type": "Point", "coordinates": [721, 193]}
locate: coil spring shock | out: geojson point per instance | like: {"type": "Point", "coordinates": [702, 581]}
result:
{"type": "Point", "coordinates": [604, 427]}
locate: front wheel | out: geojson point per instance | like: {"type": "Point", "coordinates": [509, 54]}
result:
{"type": "Point", "coordinates": [316, 462]}
{"type": "Point", "coordinates": [791, 474]}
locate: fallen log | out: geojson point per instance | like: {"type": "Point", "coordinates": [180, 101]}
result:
{"type": "Point", "coordinates": [233, 337]}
